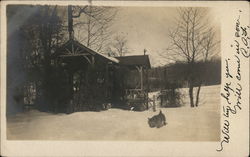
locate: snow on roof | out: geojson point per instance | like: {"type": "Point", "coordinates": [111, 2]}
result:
{"type": "Point", "coordinates": [109, 58]}
{"type": "Point", "coordinates": [142, 60]}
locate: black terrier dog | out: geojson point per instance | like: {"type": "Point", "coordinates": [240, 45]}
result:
{"type": "Point", "coordinates": [157, 120]}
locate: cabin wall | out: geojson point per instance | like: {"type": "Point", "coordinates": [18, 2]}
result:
{"type": "Point", "coordinates": [91, 86]}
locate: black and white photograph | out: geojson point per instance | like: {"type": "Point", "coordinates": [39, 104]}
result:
{"type": "Point", "coordinates": [112, 73]}
{"type": "Point", "coordinates": [123, 73]}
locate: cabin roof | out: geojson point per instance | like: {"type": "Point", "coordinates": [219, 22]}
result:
{"type": "Point", "coordinates": [136, 60]}
{"type": "Point", "coordinates": [74, 48]}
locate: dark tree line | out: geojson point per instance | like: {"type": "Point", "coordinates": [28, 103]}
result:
{"type": "Point", "coordinates": [176, 75]}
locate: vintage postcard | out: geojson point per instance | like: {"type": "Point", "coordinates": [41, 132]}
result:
{"type": "Point", "coordinates": [124, 78]}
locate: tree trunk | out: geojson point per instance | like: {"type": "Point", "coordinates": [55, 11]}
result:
{"type": "Point", "coordinates": [198, 95]}
{"type": "Point", "coordinates": [191, 87]}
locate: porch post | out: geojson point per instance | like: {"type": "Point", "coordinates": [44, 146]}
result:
{"type": "Point", "coordinates": [141, 71]}
{"type": "Point", "coordinates": [147, 87]}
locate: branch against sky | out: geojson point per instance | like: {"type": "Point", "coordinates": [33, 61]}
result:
{"type": "Point", "coordinates": [210, 45]}
{"type": "Point", "coordinates": [93, 28]}
{"type": "Point", "coordinates": [120, 45]}
{"type": "Point", "coordinates": [192, 39]}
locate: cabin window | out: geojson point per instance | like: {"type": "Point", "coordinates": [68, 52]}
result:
{"type": "Point", "coordinates": [76, 81]}
{"type": "Point", "coordinates": [30, 93]}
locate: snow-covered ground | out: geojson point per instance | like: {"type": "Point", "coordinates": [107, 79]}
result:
{"type": "Point", "coordinates": [184, 123]}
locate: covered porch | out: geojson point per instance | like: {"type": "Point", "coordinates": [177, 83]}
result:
{"type": "Point", "coordinates": [136, 80]}
{"type": "Point", "coordinates": [87, 76]}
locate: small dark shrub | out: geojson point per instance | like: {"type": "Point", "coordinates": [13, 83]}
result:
{"type": "Point", "coordinates": [140, 107]}
{"type": "Point", "coordinates": [170, 98]}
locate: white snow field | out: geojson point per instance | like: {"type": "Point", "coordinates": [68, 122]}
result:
{"type": "Point", "coordinates": [183, 124]}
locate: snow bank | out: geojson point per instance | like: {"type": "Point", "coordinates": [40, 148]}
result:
{"type": "Point", "coordinates": [184, 124]}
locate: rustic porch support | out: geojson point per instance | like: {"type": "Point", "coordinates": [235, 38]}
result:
{"type": "Point", "coordinates": [87, 58]}
{"type": "Point", "coordinates": [93, 60]}
{"type": "Point", "coordinates": [140, 69]}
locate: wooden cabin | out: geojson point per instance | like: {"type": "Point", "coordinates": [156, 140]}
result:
{"type": "Point", "coordinates": [135, 80]}
{"type": "Point", "coordinates": [87, 75]}
{"type": "Point", "coordinates": [91, 80]}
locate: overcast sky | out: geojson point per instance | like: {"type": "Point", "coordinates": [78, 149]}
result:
{"type": "Point", "coordinates": [146, 28]}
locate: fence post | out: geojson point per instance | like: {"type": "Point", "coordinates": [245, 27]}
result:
{"type": "Point", "coordinates": [154, 109]}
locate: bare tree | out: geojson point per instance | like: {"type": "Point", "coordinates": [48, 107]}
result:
{"type": "Point", "coordinates": [93, 29]}
{"type": "Point", "coordinates": [209, 45]}
{"type": "Point", "coordinates": [192, 40]}
{"type": "Point", "coordinates": [119, 46]}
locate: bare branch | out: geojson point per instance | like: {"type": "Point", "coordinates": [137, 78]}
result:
{"type": "Point", "coordinates": [94, 26]}
{"type": "Point", "coordinates": [191, 38]}
{"type": "Point", "coordinates": [119, 45]}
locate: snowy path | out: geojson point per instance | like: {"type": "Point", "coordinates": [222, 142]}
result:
{"type": "Point", "coordinates": [184, 123]}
